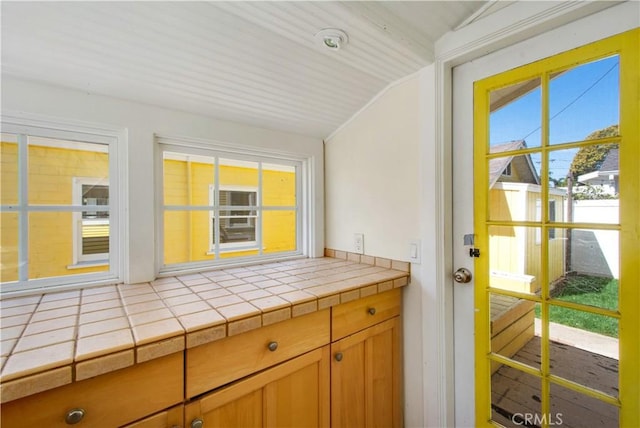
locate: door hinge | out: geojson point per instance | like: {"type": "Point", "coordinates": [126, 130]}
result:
{"type": "Point", "coordinates": [474, 252]}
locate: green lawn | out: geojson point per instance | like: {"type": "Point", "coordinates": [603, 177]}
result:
{"type": "Point", "coordinates": [586, 290]}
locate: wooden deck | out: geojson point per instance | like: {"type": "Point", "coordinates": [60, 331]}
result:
{"type": "Point", "coordinates": [517, 393]}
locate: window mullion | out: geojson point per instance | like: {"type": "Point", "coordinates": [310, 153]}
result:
{"type": "Point", "coordinates": [259, 212]}
{"type": "Point", "coordinates": [23, 203]}
{"type": "Point", "coordinates": [216, 206]}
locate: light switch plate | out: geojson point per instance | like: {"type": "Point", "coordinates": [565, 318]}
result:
{"type": "Point", "coordinates": [415, 251]}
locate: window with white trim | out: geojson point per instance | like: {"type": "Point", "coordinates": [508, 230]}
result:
{"type": "Point", "coordinates": [57, 205]}
{"type": "Point", "coordinates": [238, 218]}
{"type": "Point", "coordinates": [220, 206]}
{"type": "Point", "coordinates": [90, 228]}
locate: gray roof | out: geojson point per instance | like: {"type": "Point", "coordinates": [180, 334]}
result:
{"type": "Point", "coordinates": [611, 161]}
{"type": "Point", "coordinates": [522, 164]}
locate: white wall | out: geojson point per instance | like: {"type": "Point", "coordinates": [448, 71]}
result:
{"type": "Point", "coordinates": [141, 122]}
{"type": "Point", "coordinates": [371, 176]}
{"type": "Point", "coordinates": [373, 186]}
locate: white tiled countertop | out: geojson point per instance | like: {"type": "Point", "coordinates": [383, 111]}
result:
{"type": "Point", "coordinates": [53, 339]}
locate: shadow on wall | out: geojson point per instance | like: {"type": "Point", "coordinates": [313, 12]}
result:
{"type": "Point", "coordinates": [588, 257]}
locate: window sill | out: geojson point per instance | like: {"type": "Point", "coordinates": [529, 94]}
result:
{"type": "Point", "coordinates": [84, 265]}
{"type": "Point", "coordinates": [233, 250]}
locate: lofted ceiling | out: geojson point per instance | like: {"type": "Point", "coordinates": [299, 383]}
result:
{"type": "Point", "coordinates": [251, 62]}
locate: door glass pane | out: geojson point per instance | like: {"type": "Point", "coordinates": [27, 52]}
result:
{"type": "Point", "coordinates": [514, 186]}
{"type": "Point", "coordinates": [583, 348]}
{"type": "Point", "coordinates": [9, 169]}
{"type": "Point", "coordinates": [58, 167]}
{"type": "Point", "coordinates": [513, 330]}
{"type": "Point", "coordinates": [594, 173]}
{"type": "Point", "coordinates": [515, 397]}
{"type": "Point", "coordinates": [591, 268]}
{"type": "Point", "coordinates": [514, 258]}
{"type": "Point", "coordinates": [575, 410]}
{"type": "Point", "coordinates": [585, 100]}
{"type": "Point", "coordinates": [515, 114]}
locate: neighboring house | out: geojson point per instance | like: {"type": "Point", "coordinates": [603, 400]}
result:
{"type": "Point", "coordinates": [605, 177]}
{"type": "Point", "coordinates": [515, 195]}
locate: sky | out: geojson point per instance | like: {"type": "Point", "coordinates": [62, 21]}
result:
{"type": "Point", "coordinates": [582, 100]}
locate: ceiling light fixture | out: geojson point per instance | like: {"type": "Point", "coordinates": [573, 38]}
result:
{"type": "Point", "coordinates": [332, 38]}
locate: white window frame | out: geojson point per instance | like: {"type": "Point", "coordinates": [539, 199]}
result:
{"type": "Point", "coordinates": [114, 140]}
{"type": "Point", "coordinates": [84, 260]}
{"type": "Point", "coordinates": [195, 148]}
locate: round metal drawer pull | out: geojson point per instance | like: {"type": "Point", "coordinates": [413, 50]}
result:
{"type": "Point", "coordinates": [197, 423]}
{"type": "Point", "coordinates": [74, 416]}
{"type": "Point", "coordinates": [273, 346]}
{"type": "Point", "coordinates": [372, 311]}
{"type": "Point", "coordinates": [338, 356]}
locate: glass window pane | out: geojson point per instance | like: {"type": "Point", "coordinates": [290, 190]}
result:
{"type": "Point", "coordinates": [9, 169]}
{"type": "Point", "coordinates": [584, 102]}
{"type": "Point", "coordinates": [187, 179]}
{"type": "Point", "coordinates": [514, 258]}
{"type": "Point", "coordinates": [187, 236]}
{"type": "Point", "coordinates": [55, 164]}
{"type": "Point", "coordinates": [516, 114]}
{"type": "Point", "coordinates": [278, 185]}
{"type": "Point", "coordinates": [515, 398]}
{"type": "Point", "coordinates": [238, 175]}
{"type": "Point", "coordinates": [514, 185]}
{"type": "Point", "coordinates": [9, 243]}
{"type": "Point", "coordinates": [572, 409]}
{"type": "Point", "coordinates": [279, 231]}
{"type": "Point", "coordinates": [56, 250]}
{"type": "Point", "coordinates": [513, 330]}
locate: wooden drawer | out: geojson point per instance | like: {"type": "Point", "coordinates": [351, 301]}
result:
{"type": "Point", "coordinates": [108, 400]}
{"type": "Point", "coordinates": [218, 363]}
{"type": "Point", "coordinates": [357, 315]}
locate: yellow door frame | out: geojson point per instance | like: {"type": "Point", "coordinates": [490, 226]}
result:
{"type": "Point", "coordinates": [627, 46]}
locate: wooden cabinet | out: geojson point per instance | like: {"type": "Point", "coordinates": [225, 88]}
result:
{"type": "Point", "coordinates": [109, 400]}
{"type": "Point", "coordinates": [292, 394]}
{"type": "Point", "coordinates": [337, 367]}
{"type": "Point", "coordinates": [366, 374]}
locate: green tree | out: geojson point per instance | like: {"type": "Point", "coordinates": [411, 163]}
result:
{"type": "Point", "coordinates": [589, 158]}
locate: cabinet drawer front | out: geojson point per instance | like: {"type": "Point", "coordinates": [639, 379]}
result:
{"type": "Point", "coordinates": [354, 316]}
{"type": "Point", "coordinates": [218, 363]}
{"type": "Point", "coordinates": [109, 400]}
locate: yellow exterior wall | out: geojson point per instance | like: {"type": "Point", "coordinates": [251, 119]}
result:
{"type": "Point", "coordinates": [50, 181]}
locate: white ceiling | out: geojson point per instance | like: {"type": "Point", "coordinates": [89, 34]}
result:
{"type": "Point", "coordinates": [251, 62]}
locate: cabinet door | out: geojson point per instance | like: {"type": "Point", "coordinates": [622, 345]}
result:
{"type": "Point", "coordinates": [292, 394]}
{"type": "Point", "coordinates": [366, 378]}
